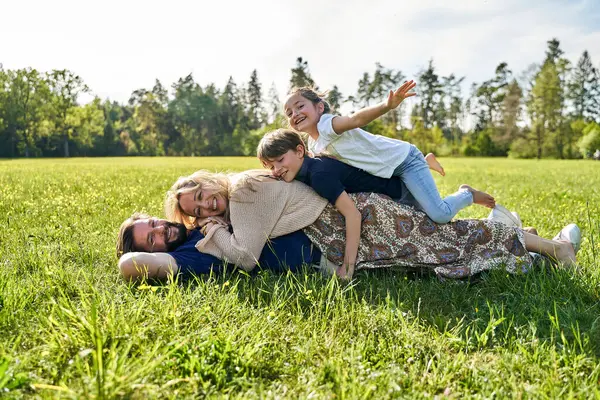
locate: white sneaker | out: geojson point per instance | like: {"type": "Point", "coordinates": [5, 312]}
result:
{"type": "Point", "coordinates": [501, 214]}
{"type": "Point", "coordinates": [572, 234]}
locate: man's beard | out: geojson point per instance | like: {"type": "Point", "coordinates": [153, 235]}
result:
{"type": "Point", "coordinates": [180, 237]}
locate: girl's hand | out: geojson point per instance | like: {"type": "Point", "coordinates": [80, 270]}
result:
{"type": "Point", "coordinates": [403, 92]}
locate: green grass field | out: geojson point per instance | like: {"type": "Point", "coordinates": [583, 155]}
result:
{"type": "Point", "coordinates": [71, 328]}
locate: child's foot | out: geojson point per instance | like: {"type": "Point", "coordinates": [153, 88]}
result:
{"type": "Point", "coordinates": [434, 164]}
{"type": "Point", "coordinates": [479, 197]}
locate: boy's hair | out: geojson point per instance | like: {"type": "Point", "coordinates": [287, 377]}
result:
{"type": "Point", "coordinates": [278, 142]}
{"type": "Point", "coordinates": [313, 96]}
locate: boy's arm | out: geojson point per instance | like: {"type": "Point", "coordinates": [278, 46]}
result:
{"type": "Point", "coordinates": [368, 114]}
{"type": "Point", "coordinates": [346, 207]}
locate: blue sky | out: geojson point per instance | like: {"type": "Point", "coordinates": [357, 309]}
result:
{"type": "Point", "coordinates": [118, 46]}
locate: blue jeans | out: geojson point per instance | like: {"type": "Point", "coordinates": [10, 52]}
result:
{"type": "Point", "coordinates": [423, 193]}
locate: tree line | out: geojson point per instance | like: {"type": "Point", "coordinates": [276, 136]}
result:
{"type": "Point", "coordinates": [550, 110]}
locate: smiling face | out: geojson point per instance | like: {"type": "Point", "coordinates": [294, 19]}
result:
{"type": "Point", "coordinates": [154, 235]}
{"type": "Point", "coordinates": [203, 203]}
{"type": "Point", "coordinates": [302, 114]}
{"type": "Point", "coordinates": [286, 166]}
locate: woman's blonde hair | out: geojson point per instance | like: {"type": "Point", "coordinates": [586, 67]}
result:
{"type": "Point", "coordinates": [214, 181]}
{"type": "Point", "coordinates": [230, 186]}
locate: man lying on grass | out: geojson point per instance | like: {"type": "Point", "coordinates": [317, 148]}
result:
{"type": "Point", "coordinates": [155, 248]}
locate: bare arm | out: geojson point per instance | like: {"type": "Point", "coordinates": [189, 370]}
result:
{"type": "Point", "coordinates": [346, 207]}
{"type": "Point", "coordinates": [137, 265]}
{"type": "Point", "coordinates": [368, 114]}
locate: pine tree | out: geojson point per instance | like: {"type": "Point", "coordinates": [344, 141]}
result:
{"type": "Point", "coordinates": [301, 75]}
{"type": "Point", "coordinates": [274, 103]}
{"type": "Point", "coordinates": [431, 92]}
{"type": "Point", "coordinates": [454, 107]}
{"type": "Point", "coordinates": [335, 99]}
{"type": "Point", "coordinates": [584, 90]}
{"type": "Point", "coordinates": [255, 108]}
{"type": "Point", "coordinates": [544, 103]}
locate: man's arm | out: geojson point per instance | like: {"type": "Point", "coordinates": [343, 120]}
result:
{"type": "Point", "coordinates": [135, 266]}
{"type": "Point", "coordinates": [368, 114]}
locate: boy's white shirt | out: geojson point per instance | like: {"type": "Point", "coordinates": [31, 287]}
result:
{"type": "Point", "coordinates": [377, 155]}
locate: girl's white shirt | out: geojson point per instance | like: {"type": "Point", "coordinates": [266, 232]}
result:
{"type": "Point", "coordinates": [375, 154]}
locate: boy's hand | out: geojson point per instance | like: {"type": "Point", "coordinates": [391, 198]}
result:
{"type": "Point", "coordinates": [345, 272]}
{"type": "Point", "coordinates": [404, 91]}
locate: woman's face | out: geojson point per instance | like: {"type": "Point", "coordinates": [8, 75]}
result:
{"type": "Point", "coordinates": [203, 203]}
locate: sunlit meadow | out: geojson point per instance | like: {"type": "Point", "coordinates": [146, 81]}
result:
{"type": "Point", "coordinates": [71, 328]}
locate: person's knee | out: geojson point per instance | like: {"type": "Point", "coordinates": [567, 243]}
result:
{"type": "Point", "coordinates": [440, 217]}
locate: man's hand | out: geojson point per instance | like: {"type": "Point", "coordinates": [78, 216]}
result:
{"type": "Point", "coordinates": [403, 92]}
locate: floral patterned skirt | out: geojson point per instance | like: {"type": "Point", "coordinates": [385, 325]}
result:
{"type": "Point", "coordinates": [393, 234]}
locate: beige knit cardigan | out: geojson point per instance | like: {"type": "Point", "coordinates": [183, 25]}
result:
{"type": "Point", "coordinates": [273, 209]}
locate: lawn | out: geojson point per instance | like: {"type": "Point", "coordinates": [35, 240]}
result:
{"type": "Point", "coordinates": [71, 328]}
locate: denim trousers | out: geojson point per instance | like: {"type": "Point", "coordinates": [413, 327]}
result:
{"type": "Point", "coordinates": [423, 193]}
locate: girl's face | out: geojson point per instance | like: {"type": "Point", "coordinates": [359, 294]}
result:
{"type": "Point", "coordinates": [203, 203]}
{"type": "Point", "coordinates": [286, 166]}
{"type": "Point", "coordinates": [302, 114]}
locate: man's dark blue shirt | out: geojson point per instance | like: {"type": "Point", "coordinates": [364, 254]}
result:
{"type": "Point", "coordinates": [288, 252]}
{"type": "Point", "coordinates": [330, 177]}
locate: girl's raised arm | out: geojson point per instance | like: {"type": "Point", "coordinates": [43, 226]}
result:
{"type": "Point", "coordinates": [368, 114]}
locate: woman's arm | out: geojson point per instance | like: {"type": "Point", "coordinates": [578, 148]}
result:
{"type": "Point", "coordinates": [271, 209]}
{"type": "Point", "coordinates": [368, 114]}
{"type": "Point", "coordinates": [346, 207]}
{"type": "Point", "coordinates": [241, 248]}
{"type": "Point", "coordinates": [135, 266]}
{"type": "Point", "coordinates": [254, 214]}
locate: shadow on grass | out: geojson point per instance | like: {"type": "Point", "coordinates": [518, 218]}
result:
{"type": "Point", "coordinates": [548, 304]}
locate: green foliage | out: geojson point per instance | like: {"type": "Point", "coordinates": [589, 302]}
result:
{"type": "Point", "coordinates": [301, 75]}
{"type": "Point", "coordinates": [584, 89]}
{"type": "Point", "coordinates": [335, 99]}
{"type": "Point", "coordinates": [40, 114]}
{"type": "Point", "coordinates": [256, 113]}
{"type": "Point", "coordinates": [71, 328]}
{"type": "Point", "coordinates": [590, 141]}
{"type": "Point", "coordinates": [378, 127]}
{"type": "Point", "coordinates": [431, 94]}
{"type": "Point", "coordinates": [546, 100]}
{"type": "Point", "coordinates": [522, 148]}
{"type": "Point", "coordinates": [251, 142]}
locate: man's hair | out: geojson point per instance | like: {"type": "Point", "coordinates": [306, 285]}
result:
{"type": "Point", "coordinates": [278, 142]}
{"type": "Point", "coordinates": [125, 238]}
